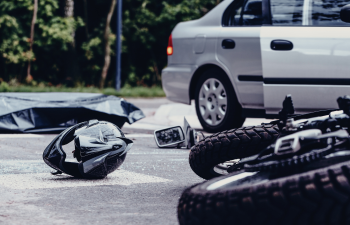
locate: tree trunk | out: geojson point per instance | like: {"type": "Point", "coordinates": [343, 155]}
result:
{"type": "Point", "coordinates": [156, 78]}
{"type": "Point", "coordinates": [29, 77]}
{"type": "Point", "coordinates": [106, 42]}
{"type": "Point", "coordinates": [69, 8]}
{"type": "Point", "coordinates": [86, 19]}
{"type": "Point", "coordinates": [70, 63]}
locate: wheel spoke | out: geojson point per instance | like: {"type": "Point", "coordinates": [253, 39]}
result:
{"type": "Point", "coordinates": [202, 102]}
{"type": "Point", "coordinates": [222, 101]}
{"type": "Point", "coordinates": [220, 90]}
{"type": "Point", "coordinates": [213, 118]}
{"type": "Point", "coordinates": [220, 112]}
{"type": "Point", "coordinates": [212, 85]}
{"type": "Point", "coordinates": [205, 114]}
{"type": "Point", "coordinates": [206, 89]}
{"type": "Point", "coordinates": [212, 101]}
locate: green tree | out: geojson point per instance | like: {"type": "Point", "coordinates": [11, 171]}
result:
{"type": "Point", "coordinates": [52, 36]}
{"type": "Point", "coordinates": [146, 28]}
{"type": "Point", "coordinates": [147, 25]}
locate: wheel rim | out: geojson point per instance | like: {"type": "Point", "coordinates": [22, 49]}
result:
{"type": "Point", "coordinates": [212, 101]}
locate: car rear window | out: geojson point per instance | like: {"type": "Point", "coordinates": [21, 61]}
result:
{"type": "Point", "coordinates": [232, 14]}
{"type": "Point", "coordinates": [307, 12]}
{"type": "Point", "coordinates": [243, 13]}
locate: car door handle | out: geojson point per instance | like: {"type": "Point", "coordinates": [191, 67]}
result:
{"type": "Point", "coordinates": [228, 44]}
{"type": "Point", "coordinates": [281, 45]}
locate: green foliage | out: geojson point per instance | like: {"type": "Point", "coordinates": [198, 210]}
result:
{"type": "Point", "coordinates": [13, 45]}
{"type": "Point", "coordinates": [91, 47]}
{"type": "Point", "coordinates": [126, 91]}
{"type": "Point", "coordinates": [146, 28]}
{"type": "Point", "coordinates": [53, 34]}
{"type": "Point", "coordinates": [4, 87]}
{"type": "Point", "coordinates": [93, 50]}
{"type": "Point", "coordinates": [147, 25]}
{"type": "Point", "coordinates": [58, 32]}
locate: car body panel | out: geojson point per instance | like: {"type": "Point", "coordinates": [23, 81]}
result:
{"type": "Point", "coordinates": [185, 33]}
{"type": "Point", "coordinates": [316, 55]}
{"type": "Point", "coordinates": [190, 49]}
{"type": "Point", "coordinates": [306, 99]}
{"type": "Point", "coordinates": [176, 81]}
{"type": "Point", "coordinates": [191, 52]}
{"type": "Point", "coordinates": [243, 59]}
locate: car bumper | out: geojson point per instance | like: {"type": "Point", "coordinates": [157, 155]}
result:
{"type": "Point", "coordinates": [176, 82]}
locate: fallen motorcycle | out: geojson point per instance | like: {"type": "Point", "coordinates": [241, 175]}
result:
{"type": "Point", "coordinates": [212, 156]}
{"type": "Point", "coordinates": [303, 178]}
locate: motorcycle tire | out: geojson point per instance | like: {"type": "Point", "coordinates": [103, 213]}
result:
{"type": "Point", "coordinates": [228, 145]}
{"type": "Point", "coordinates": [318, 195]}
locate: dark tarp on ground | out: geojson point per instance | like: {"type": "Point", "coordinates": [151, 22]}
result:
{"type": "Point", "coordinates": [53, 112]}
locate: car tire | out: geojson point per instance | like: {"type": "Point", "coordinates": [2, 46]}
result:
{"type": "Point", "coordinates": [316, 196]}
{"type": "Point", "coordinates": [217, 106]}
{"type": "Point", "coordinates": [229, 145]}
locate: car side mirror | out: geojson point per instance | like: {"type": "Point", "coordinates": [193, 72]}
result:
{"type": "Point", "coordinates": [345, 13]}
{"type": "Point", "coordinates": [169, 137]}
{"type": "Point", "coordinates": [178, 136]}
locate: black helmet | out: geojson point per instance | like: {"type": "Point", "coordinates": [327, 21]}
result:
{"type": "Point", "coordinates": [100, 148]}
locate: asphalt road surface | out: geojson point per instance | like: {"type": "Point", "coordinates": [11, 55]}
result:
{"type": "Point", "coordinates": [145, 190]}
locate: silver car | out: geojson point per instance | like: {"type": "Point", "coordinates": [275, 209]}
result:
{"type": "Point", "coordinates": [243, 57]}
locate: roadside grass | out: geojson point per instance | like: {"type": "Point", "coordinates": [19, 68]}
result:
{"type": "Point", "coordinates": [127, 91]}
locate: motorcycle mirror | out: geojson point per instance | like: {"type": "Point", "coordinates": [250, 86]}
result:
{"type": "Point", "coordinates": [192, 136]}
{"type": "Point", "coordinates": [169, 137]}
{"type": "Point", "coordinates": [189, 134]}
{"type": "Point", "coordinates": [345, 13]}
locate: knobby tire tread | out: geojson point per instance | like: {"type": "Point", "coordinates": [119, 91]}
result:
{"type": "Point", "coordinates": [319, 197]}
{"type": "Point", "coordinates": [229, 145]}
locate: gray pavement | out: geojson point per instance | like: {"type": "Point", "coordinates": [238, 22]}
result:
{"type": "Point", "coordinates": [145, 190]}
{"type": "Point", "coordinates": [161, 113]}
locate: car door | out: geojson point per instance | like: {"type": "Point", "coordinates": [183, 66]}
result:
{"type": "Point", "coordinates": [306, 53]}
{"type": "Point", "coordinates": [238, 49]}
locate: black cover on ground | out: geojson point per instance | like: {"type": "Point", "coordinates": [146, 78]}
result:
{"type": "Point", "coordinates": [53, 112]}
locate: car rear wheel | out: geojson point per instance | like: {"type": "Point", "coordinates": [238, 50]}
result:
{"type": "Point", "coordinates": [216, 102]}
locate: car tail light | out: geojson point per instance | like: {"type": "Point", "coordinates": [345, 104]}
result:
{"type": "Point", "coordinates": [169, 49]}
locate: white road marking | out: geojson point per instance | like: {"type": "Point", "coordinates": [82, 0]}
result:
{"type": "Point", "coordinates": [21, 136]}
{"type": "Point", "coordinates": [20, 161]}
{"type": "Point", "coordinates": [46, 180]}
{"type": "Point", "coordinates": [138, 135]}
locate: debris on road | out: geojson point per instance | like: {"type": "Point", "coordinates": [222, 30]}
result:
{"type": "Point", "coordinates": [177, 136]}
{"type": "Point", "coordinates": [54, 112]}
